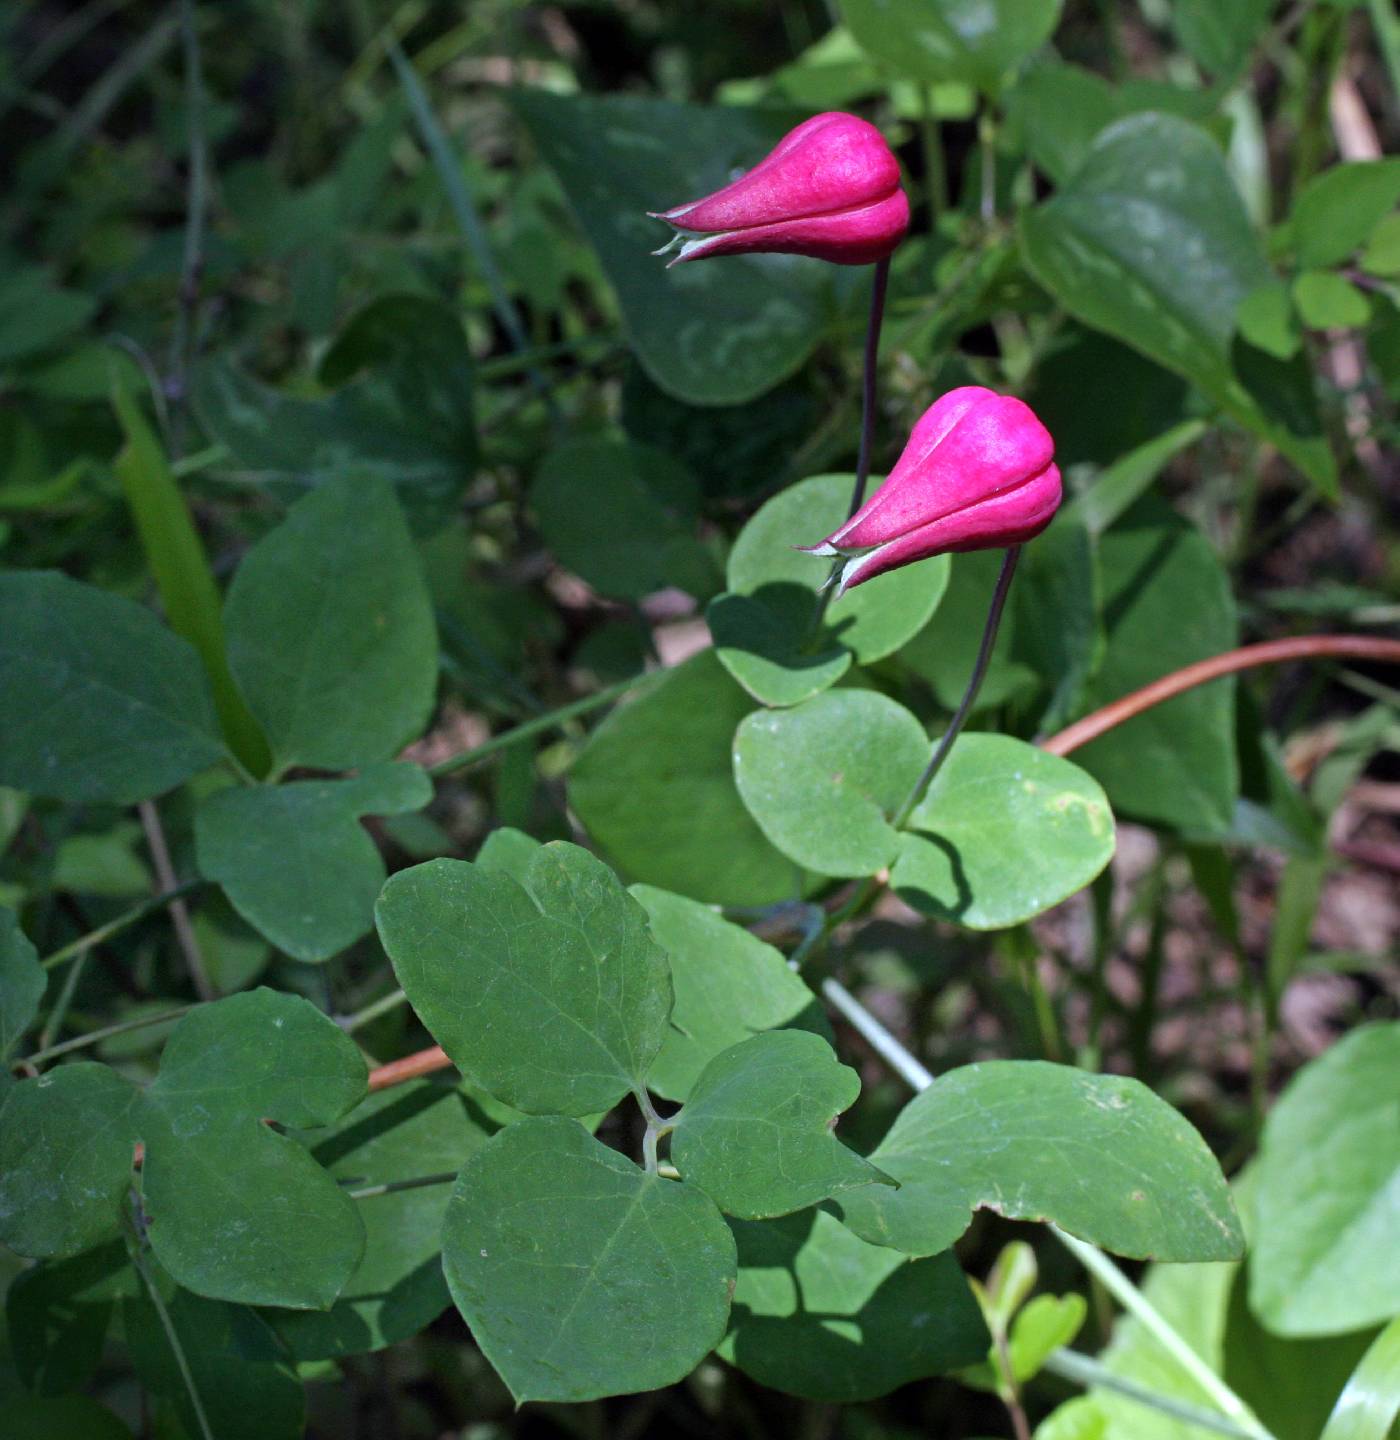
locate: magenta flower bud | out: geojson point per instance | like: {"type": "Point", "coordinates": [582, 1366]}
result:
{"type": "Point", "coordinates": [829, 189]}
{"type": "Point", "coordinates": [978, 473]}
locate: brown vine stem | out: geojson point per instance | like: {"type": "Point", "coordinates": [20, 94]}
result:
{"type": "Point", "coordinates": [1247, 657]}
{"type": "Point", "coordinates": [422, 1062]}
{"type": "Point", "coordinates": [1268, 652]}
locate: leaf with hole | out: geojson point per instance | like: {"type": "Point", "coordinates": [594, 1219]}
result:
{"type": "Point", "coordinates": [579, 1274]}
{"type": "Point", "coordinates": [1099, 1155]}
{"type": "Point", "coordinates": [547, 991]}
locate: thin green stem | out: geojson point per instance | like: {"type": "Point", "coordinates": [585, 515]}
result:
{"type": "Point", "coordinates": [65, 998]}
{"type": "Point", "coordinates": [96, 1037]}
{"type": "Point", "coordinates": [549, 721]}
{"type": "Point", "coordinates": [1086, 1371]}
{"type": "Point", "coordinates": [373, 1011]}
{"type": "Point", "coordinates": [879, 288]}
{"type": "Point", "coordinates": [392, 1187]}
{"type": "Point", "coordinates": [974, 684]}
{"type": "Point", "coordinates": [173, 1340]}
{"type": "Point", "coordinates": [1160, 1328]}
{"type": "Point", "coordinates": [124, 921]}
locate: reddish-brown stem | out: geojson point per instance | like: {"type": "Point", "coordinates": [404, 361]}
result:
{"type": "Point", "coordinates": [1269, 652]}
{"type": "Point", "coordinates": [424, 1062]}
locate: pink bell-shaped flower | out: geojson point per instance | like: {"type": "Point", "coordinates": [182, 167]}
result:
{"type": "Point", "coordinates": [978, 473]}
{"type": "Point", "coordinates": [829, 189]}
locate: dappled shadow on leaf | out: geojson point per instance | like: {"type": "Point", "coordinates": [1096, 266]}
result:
{"type": "Point", "coordinates": [905, 1320]}
{"type": "Point", "coordinates": [912, 889]}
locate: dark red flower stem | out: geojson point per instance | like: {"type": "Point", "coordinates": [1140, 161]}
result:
{"type": "Point", "coordinates": [974, 684]}
{"type": "Point", "coordinates": [867, 396]}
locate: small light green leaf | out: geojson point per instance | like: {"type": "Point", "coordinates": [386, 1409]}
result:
{"type": "Point", "coordinates": [822, 1314]}
{"type": "Point", "coordinates": [1367, 1408]}
{"type": "Point", "coordinates": [224, 1192]}
{"type": "Point", "coordinates": [1269, 322]}
{"type": "Point", "coordinates": [247, 1386]}
{"type": "Point", "coordinates": [1041, 1328]}
{"type": "Point", "coordinates": [763, 627]}
{"type": "Point", "coordinates": [580, 1275]}
{"type": "Point", "coordinates": [22, 983]}
{"type": "Point", "coordinates": [976, 41]}
{"type": "Point", "coordinates": [622, 517]}
{"type": "Point", "coordinates": [824, 778]}
{"type": "Point", "coordinates": [756, 1134]}
{"type": "Point", "coordinates": [1323, 1260]}
{"type": "Point", "coordinates": [547, 991]}
{"type": "Point", "coordinates": [1166, 602]}
{"type": "Point", "coordinates": [330, 630]}
{"type": "Point", "coordinates": [1150, 242]}
{"type": "Point", "coordinates": [655, 789]}
{"type": "Point", "coordinates": [1340, 207]}
{"type": "Point", "coordinates": [1099, 1155]}
{"type": "Point", "coordinates": [709, 334]}
{"type": "Point", "coordinates": [427, 1127]}
{"type": "Point", "coordinates": [294, 860]}
{"type": "Point", "coordinates": [1011, 832]}
{"type": "Point", "coordinates": [98, 700]}
{"type": "Point", "coordinates": [1327, 301]}
{"type": "Point", "coordinates": [728, 983]}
